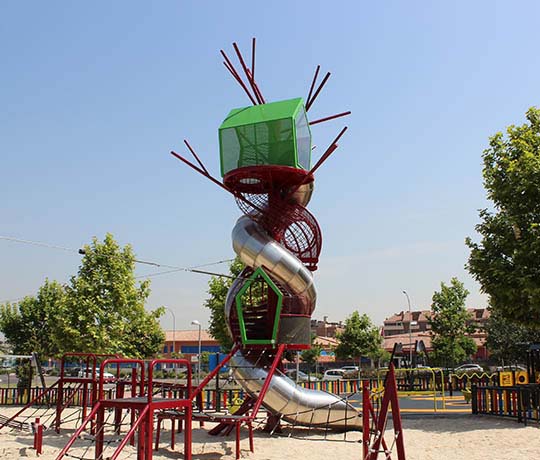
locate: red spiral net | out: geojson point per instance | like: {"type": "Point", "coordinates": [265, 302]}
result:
{"type": "Point", "coordinates": [292, 225]}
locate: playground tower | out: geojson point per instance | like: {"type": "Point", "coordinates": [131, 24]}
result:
{"type": "Point", "coordinates": [266, 164]}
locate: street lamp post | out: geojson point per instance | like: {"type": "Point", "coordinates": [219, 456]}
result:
{"type": "Point", "coordinates": [197, 323]}
{"type": "Point", "coordinates": [174, 331]}
{"type": "Point", "coordinates": [410, 326]}
{"type": "Point", "coordinates": [173, 338]}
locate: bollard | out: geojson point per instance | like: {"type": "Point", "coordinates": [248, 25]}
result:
{"type": "Point", "coordinates": [38, 436]}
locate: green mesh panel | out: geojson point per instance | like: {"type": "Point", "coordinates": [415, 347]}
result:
{"type": "Point", "coordinates": [229, 143]}
{"type": "Point", "coordinates": [303, 140]}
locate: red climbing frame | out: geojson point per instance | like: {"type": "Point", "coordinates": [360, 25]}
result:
{"type": "Point", "coordinates": [87, 384]}
{"type": "Point", "coordinates": [371, 449]}
{"type": "Point", "coordinates": [142, 403]}
{"type": "Point", "coordinates": [226, 422]}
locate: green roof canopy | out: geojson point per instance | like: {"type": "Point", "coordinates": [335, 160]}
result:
{"type": "Point", "coordinates": [268, 134]}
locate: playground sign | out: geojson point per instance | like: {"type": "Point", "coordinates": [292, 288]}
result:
{"type": "Point", "coordinates": [522, 377]}
{"type": "Point", "coordinates": [506, 379]}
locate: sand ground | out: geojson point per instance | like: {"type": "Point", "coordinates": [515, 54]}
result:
{"type": "Point", "coordinates": [426, 438]}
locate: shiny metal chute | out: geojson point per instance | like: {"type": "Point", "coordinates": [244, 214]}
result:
{"type": "Point", "coordinates": [257, 249]}
{"type": "Point", "coordinates": [295, 404]}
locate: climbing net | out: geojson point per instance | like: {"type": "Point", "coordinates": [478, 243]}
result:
{"type": "Point", "coordinates": [42, 408]}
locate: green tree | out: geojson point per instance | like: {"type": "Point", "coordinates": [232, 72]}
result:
{"type": "Point", "coordinates": [507, 260]}
{"type": "Point", "coordinates": [311, 356]}
{"type": "Point", "coordinates": [104, 307]}
{"type": "Point", "coordinates": [507, 341]}
{"type": "Point", "coordinates": [359, 338]}
{"type": "Point", "coordinates": [32, 324]}
{"type": "Point", "coordinates": [379, 356]}
{"type": "Point", "coordinates": [449, 323]}
{"type": "Point", "coordinates": [218, 286]}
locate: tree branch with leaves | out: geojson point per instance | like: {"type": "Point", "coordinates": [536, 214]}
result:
{"type": "Point", "coordinates": [101, 310]}
{"type": "Point", "coordinates": [450, 325]}
{"type": "Point", "coordinates": [359, 338]}
{"type": "Point", "coordinates": [506, 262]}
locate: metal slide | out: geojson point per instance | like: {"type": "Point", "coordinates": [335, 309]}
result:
{"type": "Point", "coordinates": [296, 404]}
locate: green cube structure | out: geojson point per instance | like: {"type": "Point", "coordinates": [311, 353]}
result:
{"type": "Point", "coordinates": [276, 133]}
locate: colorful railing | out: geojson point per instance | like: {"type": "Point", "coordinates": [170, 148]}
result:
{"type": "Point", "coordinates": [521, 402]}
{"type": "Point", "coordinates": [17, 396]}
{"type": "Point", "coordinates": [467, 380]}
{"type": "Point", "coordinates": [221, 399]}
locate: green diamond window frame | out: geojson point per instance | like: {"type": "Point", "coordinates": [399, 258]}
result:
{"type": "Point", "coordinates": [238, 300]}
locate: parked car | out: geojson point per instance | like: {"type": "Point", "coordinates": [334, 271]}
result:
{"type": "Point", "coordinates": [350, 368]}
{"type": "Point", "coordinates": [334, 374]}
{"type": "Point", "coordinates": [468, 368]}
{"type": "Point", "coordinates": [351, 372]}
{"type": "Point", "coordinates": [72, 371]}
{"type": "Point", "coordinates": [421, 369]}
{"type": "Point", "coordinates": [107, 376]}
{"type": "Point", "coordinates": [300, 376]}
{"type": "Point", "coordinates": [513, 367]}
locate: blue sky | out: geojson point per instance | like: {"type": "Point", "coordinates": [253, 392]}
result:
{"type": "Point", "coordinates": [95, 94]}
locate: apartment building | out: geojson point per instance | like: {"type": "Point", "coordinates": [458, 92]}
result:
{"type": "Point", "coordinates": [417, 321]}
{"type": "Point", "coordinates": [325, 328]}
{"type": "Point", "coordinates": [408, 328]}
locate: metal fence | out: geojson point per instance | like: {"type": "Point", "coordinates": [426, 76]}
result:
{"type": "Point", "coordinates": [407, 382]}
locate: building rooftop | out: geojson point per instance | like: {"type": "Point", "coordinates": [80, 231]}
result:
{"type": "Point", "coordinates": [326, 342]}
{"type": "Point", "coordinates": [390, 341]}
{"type": "Point", "coordinates": [424, 315]}
{"type": "Point", "coordinates": [190, 335]}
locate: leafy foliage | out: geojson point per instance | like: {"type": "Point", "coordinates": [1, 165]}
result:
{"type": "Point", "coordinates": [507, 340]}
{"type": "Point", "coordinates": [507, 261]}
{"type": "Point", "coordinates": [32, 324]}
{"type": "Point", "coordinates": [217, 289]}
{"type": "Point", "coordinates": [104, 309]}
{"type": "Point", "coordinates": [379, 356]}
{"type": "Point", "coordinates": [24, 372]}
{"type": "Point", "coordinates": [100, 311]}
{"type": "Point", "coordinates": [311, 355]}
{"type": "Point", "coordinates": [449, 323]}
{"type": "Point", "coordinates": [359, 338]}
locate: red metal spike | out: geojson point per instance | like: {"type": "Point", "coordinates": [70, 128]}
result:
{"type": "Point", "coordinates": [234, 73]}
{"type": "Point", "coordinates": [200, 171]}
{"type": "Point", "coordinates": [313, 83]}
{"type": "Point", "coordinates": [253, 58]}
{"type": "Point", "coordinates": [312, 100]}
{"type": "Point", "coordinates": [309, 175]}
{"type": "Point", "coordinates": [214, 180]}
{"type": "Point", "coordinates": [332, 117]}
{"type": "Point", "coordinates": [329, 151]}
{"type": "Point", "coordinates": [257, 90]}
{"type": "Point", "coordinates": [246, 71]}
{"type": "Point", "coordinates": [195, 155]}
